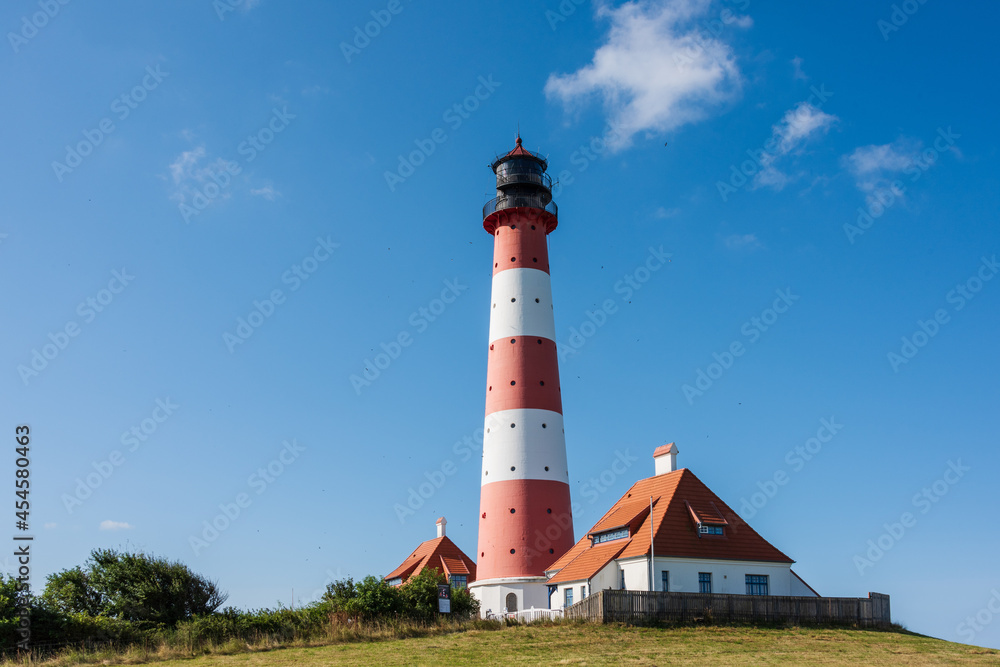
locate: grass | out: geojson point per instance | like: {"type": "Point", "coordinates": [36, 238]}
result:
{"type": "Point", "coordinates": [579, 644]}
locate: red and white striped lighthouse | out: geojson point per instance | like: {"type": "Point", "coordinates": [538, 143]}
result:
{"type": "Point", "coordinates": [525, 518]}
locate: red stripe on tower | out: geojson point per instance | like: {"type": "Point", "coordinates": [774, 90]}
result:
{"type": "Point", "coordinates": [525, 521]}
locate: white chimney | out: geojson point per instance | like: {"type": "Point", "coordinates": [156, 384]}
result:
{"type": "Point", "coordinates": [665, 458]}
{"type": "Point", "coordinates": [441, 523]}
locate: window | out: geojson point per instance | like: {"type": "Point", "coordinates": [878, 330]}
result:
{"type": "Point", "coordinates": [395, 581]}
{"type": "Point", "coordinates": [459, 581]}
{"type": "Point", "coordinates": [623, 580]}
{"type": "Point", "coordinates": [704, 582]}
{"type": "Point", "coordinates": [569, 597]}
{"type": "Point", "coordinates": [664, 581]}
{"type": "Point", "coordinates": [756, 584]}
{"type": "Point", "coordinates": [583, 592]}
{"type": "Point", "coordinates": [611, 535]}
{"type": "Point", "coordinates": [710, 530]}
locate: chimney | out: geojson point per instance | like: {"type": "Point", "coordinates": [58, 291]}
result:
{"type": "Point", "coordinates": [665, 458]}
{"type": "Point", "coordinates": [441, 523]}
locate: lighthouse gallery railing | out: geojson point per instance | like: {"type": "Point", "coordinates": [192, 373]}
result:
{"type": "Point", "coordinates": [519, 201]}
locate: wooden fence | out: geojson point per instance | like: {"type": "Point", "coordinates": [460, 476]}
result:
{"type": "Point", "coordinates": [622, 606]}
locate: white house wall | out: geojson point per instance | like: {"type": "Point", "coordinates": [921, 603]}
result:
{"type": "Point", "coordinates": [728, 577]}
{"type": "Point", "coordinates": [799, 587]}
{"type": "Point", "coordinates": [493, 597]}
{"type": "Point", "coordinates": [636, 574]}
{"type": "Point", "coordinates": [606, 578]}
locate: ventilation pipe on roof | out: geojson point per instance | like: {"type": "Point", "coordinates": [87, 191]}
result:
{"type": "Point", "coordinates": [441, 523]}
{"type": "Point", "coordinates": [665, 458]}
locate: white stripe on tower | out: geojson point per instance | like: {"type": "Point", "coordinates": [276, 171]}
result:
{"type": "Point", "coordinates": [522, 305]}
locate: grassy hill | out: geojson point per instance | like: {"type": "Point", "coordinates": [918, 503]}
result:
{"type": "Point", "coordinates": [579, 644]}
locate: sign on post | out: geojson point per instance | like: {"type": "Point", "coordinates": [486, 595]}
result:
{"type": "Point", "coordinates": [444, 598]}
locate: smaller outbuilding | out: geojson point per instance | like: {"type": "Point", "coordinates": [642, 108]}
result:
{"type": "Point", "coordinates": [439, 554]}
{"type": "Point", "coordinates": [669, 532]}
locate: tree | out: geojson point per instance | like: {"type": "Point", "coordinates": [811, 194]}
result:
{"type": "Point", "coordinates": [70, 591]}
{"type": "Point", "coordinates": [133, 587]}
{"type": "Point", "coordinates": [340, 593]}
{"type": "Point", "coordinates": [420, 594]}
{"type": "Point", "coordinates": [463, 604]}
{"type": "Point", "coordinates": [420, 597]}
{"type": "Point", "coordinates": [375, 599]}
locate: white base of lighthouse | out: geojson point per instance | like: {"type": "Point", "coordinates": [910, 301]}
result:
{"type": "Point", "coordinates": [495, 594]}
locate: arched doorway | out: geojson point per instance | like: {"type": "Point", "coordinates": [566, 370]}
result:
{"type": "Point", "coordinates": [511, 602]}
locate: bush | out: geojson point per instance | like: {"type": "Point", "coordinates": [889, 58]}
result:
{"type": "Point", "coordinates": [254, 625]}
{"type": "Point", "coordinates": [133, 587]}
{"type": "Point", "coordinates": [375, 600]}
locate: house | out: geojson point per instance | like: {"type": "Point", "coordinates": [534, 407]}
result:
{"type": "Point", "coordinates": [698, 544]}
{"type": "Point", "coordinates": [440, 554]}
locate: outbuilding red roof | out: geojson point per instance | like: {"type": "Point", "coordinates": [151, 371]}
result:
{"type": "Point", "coordinates": [680, 502]}
{"type": "Point", "coordinates": [440, 554]}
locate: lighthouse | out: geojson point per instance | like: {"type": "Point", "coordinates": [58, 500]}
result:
{"type": "Point", "coordinates": [525, 517]}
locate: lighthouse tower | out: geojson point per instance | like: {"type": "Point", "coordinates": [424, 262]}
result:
{"type": "Point", "coordinates": [525, 519]}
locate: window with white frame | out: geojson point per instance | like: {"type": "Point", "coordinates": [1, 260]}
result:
{"type": "Point", "coordinates": [620, 534]}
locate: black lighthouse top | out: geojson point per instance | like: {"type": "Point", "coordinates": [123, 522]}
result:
{"type": "Point", "coordinates": [521, 182]}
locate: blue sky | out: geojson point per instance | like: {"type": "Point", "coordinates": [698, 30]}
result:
{"type": "Point", "coordinates": [174, 170]}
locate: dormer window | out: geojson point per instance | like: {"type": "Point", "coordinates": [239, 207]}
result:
{"type": "Point", "coordinates": [610, 535]}
{"type": "Point", "coordinates": [711, 530]}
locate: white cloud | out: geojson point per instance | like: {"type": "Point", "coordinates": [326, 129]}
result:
{"type": "Point", "coordinates": [797, 126]}
{"type": "Point", "coordinates": [185, 162]}
{"type": "Point", "coordinates": [874, 167]}
{"type": "Point", "coordinates": [798, 73]}
{"type": "Point", "coordinates": [50, 525]}
{"type": "Point", "coordinates": [866, 161]}
{"type": "Point", "coordinates": [663, 213]}
{"type": "Point", "coordinates": [115, 525]}
{"type": "Point", "coordinates": [267, 192]}
{"type": "Point", "coordinates": [742, 242]}
{"type": "Point", "coordinates": [192, 169]}
{"type": "Point", "coordinates": [657, 70]}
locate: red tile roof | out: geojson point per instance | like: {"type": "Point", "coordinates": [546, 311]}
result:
{"type": "Point", "coordinates": [440, 554]}
{"type": "Point", "coordinates": [622, 514]}
{"type": "Point", "coordinates": [589, 562]}
{"type": "Point", "coordinates": [680, 501]}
